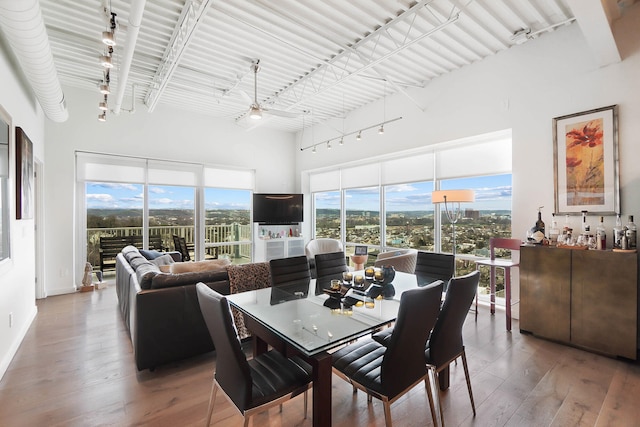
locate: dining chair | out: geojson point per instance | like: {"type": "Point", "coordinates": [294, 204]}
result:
{"type": "Point", "coordinates": [387, 373]}
{"type": "Point", "coordinates": [432, 266]}
{"type": "Point", "coordinates": [506, 264]}
{"type": "Point", "coordinates": [290, 271]}
{"type": "Point", "coordinates": [445, 343]}
{"type": "Point", "coordinates": [329, 266]}
{"type": "Point", "coordinates": [252, 385]}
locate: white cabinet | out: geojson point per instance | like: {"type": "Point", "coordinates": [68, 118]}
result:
{"type": "Point", "coordinates": [273, 242]}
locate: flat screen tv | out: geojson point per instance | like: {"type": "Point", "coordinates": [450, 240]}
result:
{"type": "Point", "coordinates": [277, 208]}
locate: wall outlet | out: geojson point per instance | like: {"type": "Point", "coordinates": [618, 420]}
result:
{"type": "Point", "coordinates": [11, 320]}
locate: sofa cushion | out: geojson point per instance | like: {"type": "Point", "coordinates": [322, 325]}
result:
{"type": "Point", "coordinates": [145, 273]}
{"type": "Point", "coordinates": [199, 266]}
{"type": "Point", "coordinates": [170, 280]}
{"type": "Point", "coordinates": [163, 260]}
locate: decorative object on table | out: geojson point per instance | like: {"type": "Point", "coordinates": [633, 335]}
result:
{"type": "Point", "coordinates": [347, 277]}
{"type": "Point", "coordinates": [452, 200]}
{"type": "Point", "coordinates": [358, 281]}
{"type": "Point", "coordinates": [369, 273]}
{"type": "Point", "coordinates": [24, 175]}
{"type": "Point", "coordinates": [388, 274]}
{"type": "Point", "coordinates": [585, 147]}
{"type": "Point", "coordinates": [87, 281]}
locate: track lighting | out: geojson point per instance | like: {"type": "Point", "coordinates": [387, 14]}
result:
{"type": "Point", "coordinates": [255, 112]}
{"type": "Point", "coordinates": [342, 140]}
{"type": "Point", "coordinates": [102, 117]}
{"type": "Point", "coordinates": [108, 38]}
{"type": "Point", "coordinates": [105, 61]}
{"type": "Point", "coordinates": [314, 150]}
{"type": "Point", "coordinates": [328, 145]}
{"type": "Point", "coordinates": [104, 89]}
{"type": "Point", "coordinates": [381, 129]}
{"type": "Point", "coordinates": [359, 135]}
{"type": "Point", "coordinates": [103, 106]}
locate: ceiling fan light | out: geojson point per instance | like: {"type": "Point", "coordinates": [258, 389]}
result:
{"type": "Point", "coordinates": [103, 106]}
{"type": "Point", "coordinates": [102, 117]}
{"type": "Point", "coordinates": [108, 38]}
{"type": "Point", "coordinates": [104, 89]}
{"type": "Point", "coordinates": [255, 112]}
{"type": "Point", "coordinates": [105, 61]}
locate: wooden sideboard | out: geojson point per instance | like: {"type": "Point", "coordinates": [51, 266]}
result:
{"type": "Point", "coordinates": [588, 299]}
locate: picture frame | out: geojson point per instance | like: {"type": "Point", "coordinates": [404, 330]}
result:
{"type": "Point", "coordinates": [24, 175]}
{"type": "Point", "coordinates": [585, 169]}
{"type": "Point", "coordinates": [361, 250]}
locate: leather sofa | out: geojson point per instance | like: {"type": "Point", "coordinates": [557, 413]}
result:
{"type": "Point", "coordinates": [161, 310]}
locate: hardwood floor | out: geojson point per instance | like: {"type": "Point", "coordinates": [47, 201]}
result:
{"type": "Point", "coordinates": [75, 368]}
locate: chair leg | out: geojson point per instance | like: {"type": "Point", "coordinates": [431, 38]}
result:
{"type": "Point", "coordinates": [466, 375]}
{"type": "Point", "coordinates": [431, 375]}
{"type": "Point", "coordinates": [306, 394]}
{"type": "Point", "coordinates": [387, 413]}
{"type": "Point", "coordinates": [507, 296]}
{"type": "Point", "coordinates": [212, 401]}
{"type": "Point", "coordinates": [492, 292]}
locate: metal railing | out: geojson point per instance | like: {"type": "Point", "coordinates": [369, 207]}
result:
{"type": "Point", "coordinates": [232, 240]}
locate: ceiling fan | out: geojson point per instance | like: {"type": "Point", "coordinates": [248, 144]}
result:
{"type": "Point", "coordinates": [256, 110]}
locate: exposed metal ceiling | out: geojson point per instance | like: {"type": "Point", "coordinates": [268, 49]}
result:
{"type": "Point", "coordinates": [328, 57]}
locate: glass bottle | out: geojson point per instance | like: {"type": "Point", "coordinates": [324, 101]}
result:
{"type": "Point", "coordinates": [631, 233]}
{"type": "Point", "coordinates": [554, 231]}
{"type": "Point", "coordinates": [539, 223]}
{"type": "Point", "coordinates": [601, 235]}
{"type": "Point", "coordinates": [566, 231]}
{"type": "Point", "coordinates": [618, 232]}
{"type": "Point", "coordinates": [585, 226]}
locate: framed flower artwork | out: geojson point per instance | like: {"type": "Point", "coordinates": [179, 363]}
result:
{"type": "Point", "coordinates": [585, 170]}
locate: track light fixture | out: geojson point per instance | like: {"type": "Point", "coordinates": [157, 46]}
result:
{"type": "Point", "coordinates": [102, 117]}
{"type": "Point", "coordinates": [103, 106]}
{"type": "Point", "coordinates": [104, 89]}
{"type": "Point", "coordinates": [105, 61]}
{"type": "Point", "coordinates": [108, 38]}
{"type": "Point", "coordinates": [358, 133]}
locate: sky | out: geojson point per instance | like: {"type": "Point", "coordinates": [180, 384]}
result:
{"type": "Point", "coordinates": [491, 192]}
{"type": "Point", "coordinates": [130, 196]}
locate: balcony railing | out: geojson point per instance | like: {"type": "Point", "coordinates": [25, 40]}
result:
{"type": "Point", "coordinates": [230, 240]}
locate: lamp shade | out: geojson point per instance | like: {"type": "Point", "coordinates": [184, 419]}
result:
{"type": "Point", "coordinates": [459, 196]}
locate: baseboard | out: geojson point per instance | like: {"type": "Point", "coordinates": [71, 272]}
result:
{"type": "Point", "coordinates": [8, 357]}
{"type": "Point", "coordinates": [62, 291]}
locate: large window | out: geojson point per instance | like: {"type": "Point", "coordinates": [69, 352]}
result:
{"type": "Point", "coordinates": [409, 216]}
{"type": "Point", "coordinates": [327, 214]}
{"type": "Point", "coordinates": [362, 215]}
{"type": "Point", "coordinates": [172, 213]}
{"type": "Point", "coordinates": [227, 229]}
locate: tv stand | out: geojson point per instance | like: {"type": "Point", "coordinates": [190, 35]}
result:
{"type": "Point", "coordinates": [277, 241]}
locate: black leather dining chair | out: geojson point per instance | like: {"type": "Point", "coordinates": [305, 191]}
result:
{"type": "Point", "coordinates": [445, 343]}
{"type": "Point", "coordinates": [432, 266]}
{"type": "Point", "coordinates": [290, 271]}
{"type": "Point", "coordinates": [387, 373]}
{"type": "Point", "coordinates": [252, 385]}
{"type": "Point", "coordinates": [329, 266]}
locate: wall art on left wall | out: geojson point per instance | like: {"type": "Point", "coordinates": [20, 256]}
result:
{"type": "Point", "coordinates": [24, 175]}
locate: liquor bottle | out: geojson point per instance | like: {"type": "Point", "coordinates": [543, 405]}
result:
{"type": "Point", "coordinates": [631, 233]}
{"type": "Point", "coordinates": [585, 226]}
{"type": "Point", "coordinates": [601, 235]}
{"type": "Point", "coordinates": [539, 223]}
{"type": "Point", "coordinates": [554, 231]}
{"type": "Point", "coordinates": [618, 232]}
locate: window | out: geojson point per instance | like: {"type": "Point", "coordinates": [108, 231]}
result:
{"type": "Point", "coordinates": [171, 212]}
{"type": "Point", "coordinates": [409, 216]}
{"type": "Point", "coordinates": [327, 214]}
{"type": "Point", "coordinates": [362, 215]}
{"type": "Point", "coordinates": [227, 231]}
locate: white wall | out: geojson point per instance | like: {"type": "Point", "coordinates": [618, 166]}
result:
{"type": "Point", "coordinates": [523, 88]}
{"type": "Point", "coordinates": [163, 134]}
{"type": "Point", "coordinates": [17, 275]}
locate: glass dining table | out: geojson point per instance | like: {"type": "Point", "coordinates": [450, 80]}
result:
{"type": "Point", "coordinates": [310, 320]}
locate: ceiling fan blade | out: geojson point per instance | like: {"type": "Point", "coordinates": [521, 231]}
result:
{"type": "Point", "coordinates": [282, 113]}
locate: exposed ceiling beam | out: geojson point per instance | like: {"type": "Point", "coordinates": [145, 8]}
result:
{"type": "Point", "coordinates": [595, 18]}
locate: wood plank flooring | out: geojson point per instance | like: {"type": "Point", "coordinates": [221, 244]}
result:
{"type": "Point", "coordinates": [75, 368]}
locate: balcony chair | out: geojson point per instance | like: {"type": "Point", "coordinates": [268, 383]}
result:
{"type": "Point", "coordinates": [445, 343]}
{"type": "Point", "coordinates": [329, 266]}
{"type": "Point", "coordinates": [432, 266]}
{"type": "Point", "coordinates": [291, 271]}
{"type": "Point", "coordinates": [401, 259]}
{"type": "Point", "coordinates": [320, 246]}
{"type": "Point", "coordinates": [252, 385]}
{"type": "Point", "coordinates": [387, 373]}
{"type": "Point", "coordinates": [180, 245]}
{"type": "Point", "coordinates": [506, 265]}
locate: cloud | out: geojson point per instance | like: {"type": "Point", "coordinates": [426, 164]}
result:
{"type": "Point", "coordinates": [157, 190]}
{"type": "Point", "coordinates": [116, 186]}
{"type": "Point", "coordinates": [102, 198]}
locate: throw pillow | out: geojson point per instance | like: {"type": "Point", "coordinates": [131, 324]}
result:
{"type": "Point", "coordinates": [163, 260]}
{"type": "Point", "coordinates": [197, 266]}
{"type": "Point", "coordinates": [247, 277]}
{"type": "Point", "coordinates": [151, 254]}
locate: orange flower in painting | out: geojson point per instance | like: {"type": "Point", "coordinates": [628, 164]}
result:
{"type": "Point", "coordinates": [590, 135]}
